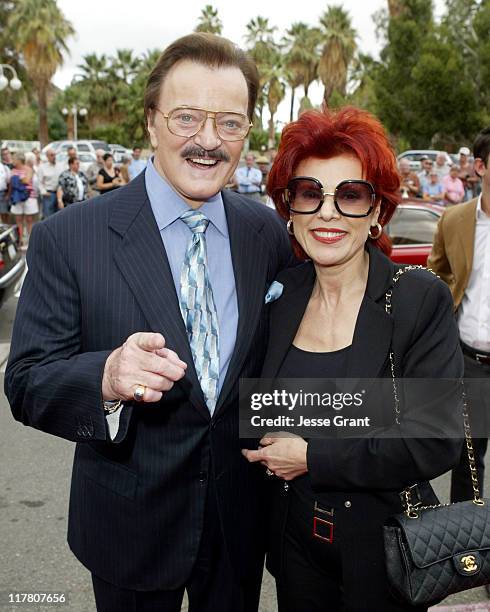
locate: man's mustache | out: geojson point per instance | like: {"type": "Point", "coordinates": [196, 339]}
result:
{"type": "Point", "coordinates": [196, 151]}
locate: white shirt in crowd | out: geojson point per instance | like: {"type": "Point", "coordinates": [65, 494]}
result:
{"type": "Point", "coordinates": [4, 177]}
{"type": "Point", "coordinates": [474, 312]}
{"type": "Point", "coordinates": [48, 175]}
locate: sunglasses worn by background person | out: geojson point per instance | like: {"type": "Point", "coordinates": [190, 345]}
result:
{"type": "Point", "coordinates": [305, 195]}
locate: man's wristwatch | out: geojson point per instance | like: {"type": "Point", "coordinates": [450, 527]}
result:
{"type": "Point", "coordinates": [111, 406]}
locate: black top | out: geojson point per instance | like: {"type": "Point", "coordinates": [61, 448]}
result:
{"type": "Point", "coordinates": [108, 179]}
{"type": "Point", "coordinates": [306, 364]}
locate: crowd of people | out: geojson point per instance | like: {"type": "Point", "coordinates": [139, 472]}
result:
{"type": "Point", "coordinates": [31, 188]}
{"type": "Point", "coordinates": [132, 341]}
{"type": "Point", "coordinates": [441, 182]}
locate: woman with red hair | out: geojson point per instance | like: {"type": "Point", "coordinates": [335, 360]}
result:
{"type": "Point", "coordinates": [336, 183]}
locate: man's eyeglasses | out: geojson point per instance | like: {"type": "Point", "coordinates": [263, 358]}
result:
{"type": "Point", "coordinates": [187, 121]}
{"type": "Point", "coordinates": [352, 198]}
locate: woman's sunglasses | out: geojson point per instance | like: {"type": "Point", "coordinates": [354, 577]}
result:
{"type": "Point", "coordinates": [352, 198]}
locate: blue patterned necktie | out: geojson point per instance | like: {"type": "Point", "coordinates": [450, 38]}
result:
{"type": "Point", "coordinates": [198, 308]}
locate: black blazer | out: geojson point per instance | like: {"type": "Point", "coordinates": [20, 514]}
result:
{"type": "Point", "coordinates": [98, 272]}
{"type": "Point", "coordinates": [369, 472]}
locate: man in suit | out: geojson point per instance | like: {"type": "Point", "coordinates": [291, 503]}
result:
{"type": "Point", "coordinates": [461, 257]}
{"type": "Point", "coordinates": [141, 310]}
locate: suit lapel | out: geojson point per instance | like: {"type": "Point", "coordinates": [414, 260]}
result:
{"type": "Point", "coordinates": [286, 316]}
{"type": "Point", "coordinates": [143, 262]}
{"type": "Point", "coordinates": [250, 263]}
{"type": "Point", "coordinates": [374, 326]}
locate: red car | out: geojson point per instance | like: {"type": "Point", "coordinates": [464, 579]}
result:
{"type": "Point", "coordinates": [412, 229]}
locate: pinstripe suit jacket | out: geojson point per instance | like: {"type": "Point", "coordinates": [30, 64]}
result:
{"type": "Point", "coordinates": [98, 272]}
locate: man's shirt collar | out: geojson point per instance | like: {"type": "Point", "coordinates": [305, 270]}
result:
{"type": "Point", "coordinates": [168, 206]}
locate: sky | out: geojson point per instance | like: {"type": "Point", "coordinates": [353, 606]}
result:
{"type": "Point", "coordinates": [107, 25]}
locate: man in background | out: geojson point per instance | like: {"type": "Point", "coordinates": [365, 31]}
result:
{"type": "Point", "coordinates": [461, 257]}
{"type": "Point", "coordinates": [137, 164]}
{"type": "Point", "coordinates": [93, 171]}
{"type": "Point", "coordinates": [4, 183]}
{"type": "Point", "coordinates": [248, 178]}
{"type": "Point", "coordinates": [48, 177]}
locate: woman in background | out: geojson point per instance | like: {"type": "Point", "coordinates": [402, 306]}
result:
{"type": "Point", "coordinates": [109, 177]}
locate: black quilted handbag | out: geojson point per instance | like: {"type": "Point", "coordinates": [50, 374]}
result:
{"type": "Point", "coordinates": [433, 551]}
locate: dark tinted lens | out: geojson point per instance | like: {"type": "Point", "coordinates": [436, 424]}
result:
{"type": "Point", "coordinates": [304, 195]}
{"type": "Point", "coordinates": [354, 198]}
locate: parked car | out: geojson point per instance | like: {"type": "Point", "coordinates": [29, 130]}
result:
{"type": "Point", "coordinates": [82, 146]}
{"type": "Point", "coordinates": [118, 152]}
{"type": "Point", "coordinates": [86, 159]}
{"type": "Point", "coordinates": [12, 264]}
{"type": "Point", "coordinates": [412, 230]}
{"type": "Point", "coordinates": [21, 146]}
{"type": "Point", "coordinates": [414, 156]}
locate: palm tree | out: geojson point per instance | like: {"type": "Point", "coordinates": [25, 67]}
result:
{"type": "Point", "coordinates": [95, 75]}
{"type": "Point", "coordinates": [301, 60]}
{"type": "Point", "coordinates": [264, 51]}
{"type": "Point", "coordinates": [209, 21]}
{"type": "Point", "coordinates": [276, 91]}
{"type": "Point", "coordinates": [40, 31]}
{"type": "Point", "coordinates": [125, 65]}
{"type": "Point", "coordinates": [94, 68]}
{"type": "Point", "coordinates": [338, 50]}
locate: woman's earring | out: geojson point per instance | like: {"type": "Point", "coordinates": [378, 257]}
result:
{"type": "Point", "coordinates": [290, 227]}
{"type": "Point", "coordinates": [379, 227]}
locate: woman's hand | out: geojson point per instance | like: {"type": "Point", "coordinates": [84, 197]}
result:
{"type": "Point", "coordinates": [285, 456]}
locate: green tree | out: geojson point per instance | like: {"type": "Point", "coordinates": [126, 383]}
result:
{"type": "Point", "coordinates": [265, 52]}
{"type": "Point", "coordinates": [481, 24]}
{"type": "Point", "coordinates": [406, 29]}
{"type": "Point", "coordinates": [444, 102]}
{"type": "Point", "coordinates": [338, 50]}
{"type": "Point", "coordinates": [301, 44]}
{"type": "Point", "coordinates": [40, 31]}
{"type": "Point", "coordinates": [10, 99]}
{"type": "Point", "coordinates": [125, 65]}
{"type": "Point", "coordinates": [209, 21]}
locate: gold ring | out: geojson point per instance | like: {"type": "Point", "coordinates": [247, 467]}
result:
{"type": "Point", "coordinates": [139, 393]}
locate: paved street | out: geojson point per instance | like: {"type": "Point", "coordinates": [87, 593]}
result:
{"type": "Point", "coordinates": [34, 485]}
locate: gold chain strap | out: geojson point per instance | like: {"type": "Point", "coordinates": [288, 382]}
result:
{"type": "Point", "coordinates": [411, 509]}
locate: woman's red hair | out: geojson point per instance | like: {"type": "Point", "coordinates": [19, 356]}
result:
{"type": "Point", "coordinates": [327, 134]}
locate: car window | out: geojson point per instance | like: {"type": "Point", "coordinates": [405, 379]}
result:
{"type": "Point", "coordinates": [99, 144]}
{"type": "Point", "coordinates": [412, 226]}
{"type": "Point", "coordinates": [83, 147]}
{"type": "Point", "coordinates": [86, 157]}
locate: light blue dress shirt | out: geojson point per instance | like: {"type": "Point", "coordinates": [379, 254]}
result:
{"type": "Point", "coordinates": [167, 207]}
{"type": "Point", "coordinates": [135, 167]}
{"type": "Point", "coordinates": [248, 179]}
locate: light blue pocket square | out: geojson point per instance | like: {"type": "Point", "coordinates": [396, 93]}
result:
{"type": "Point", "coordinates": [274, 293]}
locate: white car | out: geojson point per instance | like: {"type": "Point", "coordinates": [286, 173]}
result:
{"type": "Point", "coordinates": [414, 156]}
{"type": "Point", "coordinates": [82, 146]}
{"type": "Point", "coordinates": [119, 152]}
{"type": "Point", "coordinates": [21, 146]}
{"type": "Point", "coordinates": [86, 159]}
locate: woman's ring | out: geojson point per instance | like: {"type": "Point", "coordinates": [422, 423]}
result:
{"type": "Point", "coordinates": [139, 393]}
{"type": "Point", "coordinates": [269, 472]}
